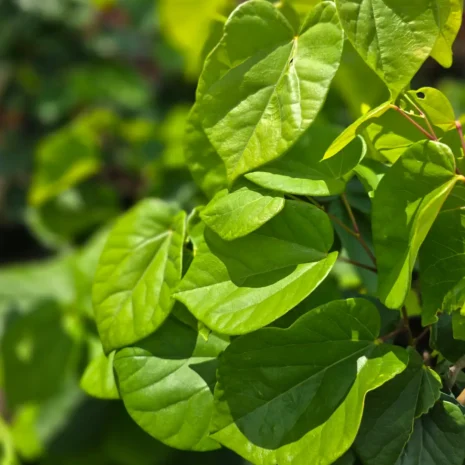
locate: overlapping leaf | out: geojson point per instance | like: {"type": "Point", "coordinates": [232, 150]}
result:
{"type": "Point", "coordinates": [257, 96]}
{"type": "Point", "coordinates": [438, 438]}
{"type": "Point", "coordinates": [390, 412]}
{"type": "Point", "coordinates": [140, 265]}
{"type": "Point", "coordinates": [166, 383]}
{"type": "Point", "coordinates": [394, 37]}
{"type": "Point", "coordinates": [302, 171]}
{"type": "Point", "coordinates": [234, 290]}
{"type": "Point", "coordinates": [442, 260]}
{"type": "Point", "coordinates": [286, 395]}
{"type": "Point", "coordinates": [405, 205]}
{"type": "Point", "coordinates": [241, 212]}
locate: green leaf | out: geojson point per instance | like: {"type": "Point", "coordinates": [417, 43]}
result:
{"type": "Point", "coordinates": [234, 290]}
{"type": "Point", "coordinates": [241, 212]}
{"type": "Point", "coordinates": [450, 20]}
{"type": "Point", "coordinates": [166, 383]}
{"type": "Point", "coordinates": [390, 412]}
{"type": "Point", "coordinates": [98, 379]}
{"type": "Point", "coordinates": [349, 134]}
{"type": "Point", "coordinates": [442, 260]}
{"type": "Point", "coordinates": [140, 265]}
{"type": "Point", "coordinates": [256, 97]}
{"type": "Point", "coordinates": [458, 325]}
{"type": "Point", "coordinates": [405, 205]}
{"type": "Point", "coordinates": [394, 37]}
{"type": "Point", "coordinates": [438, 438]}
{"type": "Point", "coordinates": [7, 449]}
{"type": "Point", "coordinates": [302, 171]}
{"type": "Point", "coordinates": [435, 105]}
{"type": "Point", "coordinates": [204, 163]}
{"type": "Point", "coordinates": [286, 395]}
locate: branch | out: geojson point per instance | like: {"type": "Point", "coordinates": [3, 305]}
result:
{"type": "Point", "coordinates": [407, 326]}
{"type": "Point", "coordinates": [423, 115]}
{"type": "Point", "coordinates": [360, 265]}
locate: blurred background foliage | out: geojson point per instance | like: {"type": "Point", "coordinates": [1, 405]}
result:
{"type": "Point", "coordinates": [94, 95]}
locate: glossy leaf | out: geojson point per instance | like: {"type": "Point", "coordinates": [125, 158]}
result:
{"type": "Point", "coordinates": [302, 170]}
{"type": "Point", "coordinates": [140, 265]}
{"type": "Point", "coordinates": [166, 383]}
{"type": "Point", "coordinates": [394, 37]}
{"type": "Point", "coordinates": [256, 97]}
{"type": "Point", "coordinates": [349, 134]}
{"type": "Point", "coordinates": [450, 20]}
{"type": "Point", "coordinates": [437, 438]}
{"type": "Point", "coordinates": [241, 212]}
{"type": "Point", "coordinates": [390, 412]}
{"type": "Point", "coordinates": [284, 395]}
{"type": "Point", "coordinates": [442, 260]}
{"type": "Point", "coordinates": [405, 205]}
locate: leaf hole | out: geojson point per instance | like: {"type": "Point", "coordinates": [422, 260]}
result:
{"type": "Point", "coordinates": [421, 95]}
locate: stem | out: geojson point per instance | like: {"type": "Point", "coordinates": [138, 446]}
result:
{"type": "Point", "coordinates": [392, 334]}
{"type": "Point", "coordinates": [357, 229]}
{"type": "Point", "coordinates": [343, 225]}
{"type": "Point", "coordinates": [423, 115]}
{"type": "Point", "coordinates": [360, 265]}
{"type": "Point", "coordinates": [407, 117]}
{"type": "Point", "coordinates": [407, 326]}
{"type": "Point", "coordinates": [421, 336]}
{"type": "Point", "coordinates": [312, 200]}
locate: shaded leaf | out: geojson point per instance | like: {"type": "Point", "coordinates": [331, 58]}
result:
{"type": "Point", "coordinates": [390, 412]}
{"type": "Point", "coordinates": [438, 438]}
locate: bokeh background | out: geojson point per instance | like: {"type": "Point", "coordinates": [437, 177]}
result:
{"type": "Point", "coordinates": [94, 95]}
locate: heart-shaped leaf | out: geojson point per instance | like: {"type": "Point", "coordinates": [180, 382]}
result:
{"type": "Point", "coordinates": [140, 265]}
{"type": "Point", "coordinates": [285, 395]}
{"type": "Point", "coordinates": [257, 96]}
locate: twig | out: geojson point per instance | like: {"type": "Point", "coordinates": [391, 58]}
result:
{"type": "Point", "coordinates": [407, 117]}
{"type": "Point", "coordinates": [392, 334]}
{"type": "Point", "coordinates": [357, 229]}
{"type": "Point", "coordinates": [421, 336]}
{"type": "Point", "coordinates": [422, 114]}
{"type": "Point", "coordinates": [360, 265]}
{"type": "Point", "coordinates": [407, 325]}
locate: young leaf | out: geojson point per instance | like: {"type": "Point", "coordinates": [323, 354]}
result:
{"type": "Point", "coordinates": [442, 260]}
{"type": "Point", "coordinates": [405, 205]}
{"type": "Point", "coordinates": [394, 52]}
{"type": "Point", "coordinates": [450, 20]}
{"type": "Point", "coordinates": [256, 97]}
{"type": "Point", "coordinates": [435, 105]}
{"type": "Point", "coordinates": [166, 383]}
{"type": "Point", "coordinates": [390, 412]}
{"type": "Point", "coordinates": [241, 212]}
{"type": "Point", "coordinates": [438, 438]}
{"type": "Point", "coordinates": [349, 134]}
{"type": "Point", "coordinates": [204, 163]}
{"type": "Point", "coordinates": [302, 171]}
{"type": "Point", "coordinates": [98, 379]}
{"type": "Point", "coordinates": [140, 265]}
{"type": "Point", "coordinates": [285, 395]}
{"type": "Point", "coordinates": [234, 290]}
